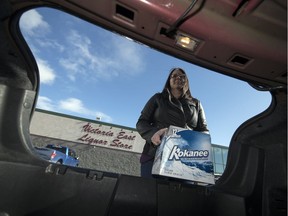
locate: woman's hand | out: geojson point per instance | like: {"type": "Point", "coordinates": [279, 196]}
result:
{"type": "Point", "coordinates": [156, 138]}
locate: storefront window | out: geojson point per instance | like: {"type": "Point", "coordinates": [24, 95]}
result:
{"type": "Point", "coordinates": [219, 159]}
{"type": "Point", "coordinates": [225, 153]}
{"type": "Point", "coordinates": [219, 168]}
{"type": "Point", "coordinates": [218, 155]}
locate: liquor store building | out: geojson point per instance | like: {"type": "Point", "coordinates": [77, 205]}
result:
{"type": "Point", "coordinates": [99, 145]}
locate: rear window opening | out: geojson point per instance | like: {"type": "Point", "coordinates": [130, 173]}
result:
{"type": "Point", "coordinates": [100, 81]}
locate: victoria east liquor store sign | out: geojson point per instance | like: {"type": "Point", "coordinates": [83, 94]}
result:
{"type": "Point", "coordinates": [107, 136]}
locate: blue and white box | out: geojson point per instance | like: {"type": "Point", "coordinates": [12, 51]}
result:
{"type": "Point", "coordinates": [185, 154]}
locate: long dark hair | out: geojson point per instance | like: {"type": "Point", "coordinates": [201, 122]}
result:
{"type": "Point", "coordinates": [186, 89]}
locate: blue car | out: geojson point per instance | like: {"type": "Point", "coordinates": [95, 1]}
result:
{"type": "Point", "coordinates": [58, 154]}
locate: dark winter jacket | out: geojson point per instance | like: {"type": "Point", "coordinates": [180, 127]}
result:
{"type": "Point", "coordinates": [162, 110]}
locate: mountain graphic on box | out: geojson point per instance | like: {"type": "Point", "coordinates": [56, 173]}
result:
{"type": "Point", "coordinates": [185, 154]}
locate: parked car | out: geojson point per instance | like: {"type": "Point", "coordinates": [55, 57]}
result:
{"type": "Point", "coordinates": [246, 40]}
{"type": "Point", "coordinates": [58, 154]}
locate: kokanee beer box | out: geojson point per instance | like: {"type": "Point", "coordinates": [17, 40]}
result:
{"type": "Point", "coordinates": [185, 154]}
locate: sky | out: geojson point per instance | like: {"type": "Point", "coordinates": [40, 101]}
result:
{"type": "Point", "coordinates": [89, 72]}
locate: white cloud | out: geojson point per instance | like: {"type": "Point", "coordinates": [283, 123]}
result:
{"type": "Point", "coordinates": [121, 57]}
{"type": "Point", "coordinates": [81, 57]}
{"type": "Point", "coordinates": [45, 103]}
{"type": "Point", "coordinates": [75, 105]}
{"type": "Point", "coordinates": [128, 54]}
{"type": "Point", "coordinates": [102, 116]}
{"type": "Point", "coordinates": [47, 74]}
{"type": "Point", "coordinates": [32, 23]}
{"type": "Point", "coordinates": [72, 105]}
{"type": "Point", "coordinates": [50, 43]}
{"type": "Point", "coordinates": [78, 55]}
{"type": "Point", "coordinates": [35, 28]}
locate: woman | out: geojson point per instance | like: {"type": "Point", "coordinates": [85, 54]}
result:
{"type": "Point", "coordinates": [173, 106]}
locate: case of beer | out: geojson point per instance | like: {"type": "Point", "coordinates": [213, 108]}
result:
{"type": "Point", "coordinates": [185, 154]}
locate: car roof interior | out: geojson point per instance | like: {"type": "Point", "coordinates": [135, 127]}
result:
{"type": "Point", "coordinates": [243, 39]}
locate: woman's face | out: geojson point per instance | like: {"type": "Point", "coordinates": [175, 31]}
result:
{"type": "Point", "coordinates": [177, 79]}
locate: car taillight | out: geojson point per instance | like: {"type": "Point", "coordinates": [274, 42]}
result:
{"type": "Point", "coordinates": [53, 154]}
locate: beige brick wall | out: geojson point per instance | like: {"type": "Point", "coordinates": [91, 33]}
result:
{"type": "Point", "coordinates": [49, 128]}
